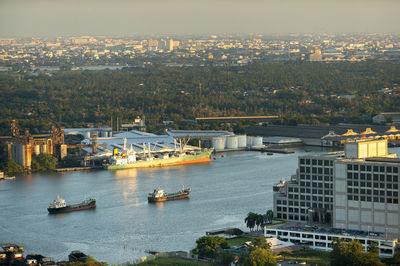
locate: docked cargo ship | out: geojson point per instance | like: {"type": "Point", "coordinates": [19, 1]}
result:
{"type": "Point", "coordinates": [60, 206]}
{"type": "Point", "coordinates": [158, 195]}
{"type": "Point", "coordinates": [129, 159]}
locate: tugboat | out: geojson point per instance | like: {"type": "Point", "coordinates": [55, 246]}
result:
{"type": "Point", "coordinates": [158, 195]}
{"type": "Point", "coordinates": [279, 185]}
{"type": "Point", "coordinates": [60, 206]}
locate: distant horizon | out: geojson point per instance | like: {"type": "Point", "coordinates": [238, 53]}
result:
{"type": "Point", "coordinates": [218, 35]}
{"type": "Point", "coordinates": [49, 18]}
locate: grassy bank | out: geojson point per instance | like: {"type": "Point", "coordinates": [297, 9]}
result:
{"type": "Point", "coordinates": [309, 256]}
{"type": "Point", "coordinates": [173, 262]}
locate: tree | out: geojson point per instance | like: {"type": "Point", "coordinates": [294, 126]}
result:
{"type": "Point", "coordinates": [12, 168]}
{"type": "Point", "coordinates": [351, 253]}
{"type": "Point", "coordinates": [260, 242]}
{"type": "Point", "coordinates": [250, 220]}
{"type": "Point", "coordinates": [269, 216]}
{"type": "Point", "coordinates": [226, 258]}
{"type": "Point", "coordinates": [259, 220]}
{"type": "Point", "coordinates": [262, 257]}
{"type": "Point", "coordinates": [90, 261]}
{"type": "Point", "coordinates": [43, 162]}
{"type": "Point", "coordinates": [207, 246]}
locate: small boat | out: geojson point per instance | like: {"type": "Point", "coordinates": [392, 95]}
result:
{"type": "Point", "coordinates": [9, 177]}
{"type": "Point", "coordinates": [60, 206]}
{"type": "Point", "coordinates": [279, 185]}
{"type": "Point", "coordinates": [158, 195]}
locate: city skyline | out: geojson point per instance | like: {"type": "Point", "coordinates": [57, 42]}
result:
{"type": "Point", "coordinates": [23, 18]}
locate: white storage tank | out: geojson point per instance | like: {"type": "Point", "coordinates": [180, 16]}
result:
{"type": "Point", "coordinates": [249, 141]}
{"type": "Point", "coordinates": [242, 141]}
{"type": "Point", "coordinates": [218, 143]}
{"type": "Point", "coordinates": [257, 141]}
{"type": "Point", "coordinates": [231, 142]}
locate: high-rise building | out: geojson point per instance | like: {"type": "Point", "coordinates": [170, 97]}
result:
{"type": "Point", "coordinates": [357, 189]}
{"type": "Point", "coordinates": [170, 45]}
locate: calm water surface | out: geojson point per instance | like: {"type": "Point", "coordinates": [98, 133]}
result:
{"type": "Point", "coordinates": [124, 225]}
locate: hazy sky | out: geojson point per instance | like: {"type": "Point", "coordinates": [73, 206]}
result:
{"type": "Point", "coordinates": [141, 17]}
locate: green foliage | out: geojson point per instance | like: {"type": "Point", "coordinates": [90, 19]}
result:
{"type": "Point", "coordinates": [298, 92]}
{"type": "Point", "coordinates": [255, 219]}
{"type": "Point", "coordinates": [260, 242]}
{"type": "Point", "coordinates": [43, 162]}
{"type": "Point", "coordinates": [351, 253]}
{"type": "Point", "coordinates": [90, 261]}
{"type": "Point", "coordinates": [69, 161]}
{"type": "Point", "coordinates": [313, 257]}
{"type": "Point", "coordinates": [393, 261]}
{"type": "Point", "coordinates": [226, 258]}
{"type": "Point", "coordinates": [261, 257]}
{"type": "Point", "coordinates": [207, 246]}
{"type": "Point", "coordinates": [172, 262]}
{"type": "Point", "coordinates": [268, 217]}
{"type": "Point", "coordinates": [12, 168]}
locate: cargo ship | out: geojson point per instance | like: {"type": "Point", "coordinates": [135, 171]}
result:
{"type": "Point", "coordinates": [129, 159]}
{"type": "Point", "coordinates": [60, 206]}
{"type": "Point", "coordinates": [158, 195]}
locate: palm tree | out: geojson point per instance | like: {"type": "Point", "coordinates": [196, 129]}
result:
{"type": "Point", "coordinates": [250, 220]}
{"type": "Point", "coordinates": [259, 220]}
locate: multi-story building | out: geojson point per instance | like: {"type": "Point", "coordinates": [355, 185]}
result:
{"type": "Point", "coordinates": [356, 189]}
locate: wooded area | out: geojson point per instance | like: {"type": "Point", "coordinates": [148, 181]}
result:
{"type": "Point", "coordinates": [300, 92]}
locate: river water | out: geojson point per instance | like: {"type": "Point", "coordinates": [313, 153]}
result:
{"type": "Point", "coordinates": [124, 225]}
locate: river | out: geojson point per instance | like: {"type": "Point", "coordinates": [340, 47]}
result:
{"type": "Point", "coordinates": [124, 225]}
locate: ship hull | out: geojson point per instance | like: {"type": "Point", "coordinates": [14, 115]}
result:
{"type": "Point", "coordinates": [168, 197]}
{"type": "Point", "coordinates": [72, 208]}
{"type": "Point", "coordinates": [187, 159]}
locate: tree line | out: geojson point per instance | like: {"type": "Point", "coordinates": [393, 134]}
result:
{"type": "Point", "coordinates": [300, 92]}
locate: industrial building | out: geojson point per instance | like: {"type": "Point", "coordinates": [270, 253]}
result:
{"type": "Point", "coordinates": [21, 148]}
{"type": "Point", "coordinates": [357, 189]}
{"type": "Point", "coordinates": [328, 136]}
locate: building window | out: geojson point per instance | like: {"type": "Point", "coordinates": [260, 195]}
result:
{"type": "Point", "coordinates": [350, 197]}
{"type": "Point", "coordinates": [362, 168]}
{"type": "Point", "coordinates": [355, 167]}
{"type": "Point", "coordinates": [302, 161]}
{"type": "Point", "coordinates": [349, 175]}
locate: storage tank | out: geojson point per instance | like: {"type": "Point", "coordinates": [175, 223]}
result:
{"type": "Point", "coordinates": [257, 141]}
{"type": "Point", "coordinates": [218, 143]}
{"type": "Point", "coordinates": [249, 141]}
{"type": "Point", "coordinates": [242, 141]}
{"type": "Point", "coordinates": [231, 142]}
